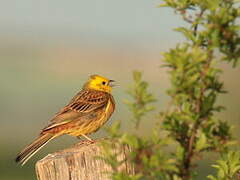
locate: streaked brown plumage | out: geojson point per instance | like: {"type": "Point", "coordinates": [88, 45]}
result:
{"type": "Point", "coordinates": [85, 114]}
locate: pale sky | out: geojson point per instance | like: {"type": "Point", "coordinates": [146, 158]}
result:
{"type": "Point", "coordinates": [105, 22]}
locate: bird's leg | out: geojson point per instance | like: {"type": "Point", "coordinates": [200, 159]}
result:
{"type": "Point", "coordinates": [88, 138]}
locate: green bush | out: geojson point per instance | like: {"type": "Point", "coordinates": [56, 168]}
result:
{"type": "Point", "coordinates": [190, 121]}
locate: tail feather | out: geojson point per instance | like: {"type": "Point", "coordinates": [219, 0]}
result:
{"type": "Point", "coordinates": [32, 148]}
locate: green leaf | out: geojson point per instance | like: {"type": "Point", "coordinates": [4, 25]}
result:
{"type": "Point", "coordinates": [187, 33]}
{"type": "Point", "coordinates": [201, 142]}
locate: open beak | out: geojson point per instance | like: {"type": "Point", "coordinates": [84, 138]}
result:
{"type": "Point", "coordinates": [111, 83]}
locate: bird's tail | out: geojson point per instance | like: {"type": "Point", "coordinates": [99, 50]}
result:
{"type": "Point", "coordinates": [32, 148]}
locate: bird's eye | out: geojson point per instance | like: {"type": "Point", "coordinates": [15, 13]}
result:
{"type": "Point", "coordinates": [103, 82]}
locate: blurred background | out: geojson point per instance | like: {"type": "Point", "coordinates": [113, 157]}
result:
{"type": "Point", "coordinates": [49, 48]}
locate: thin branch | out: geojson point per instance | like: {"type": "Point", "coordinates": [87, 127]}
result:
{"type": "Point", "coordinates": [195, 28]}
{"type": "Point", "coordinates": [190, 145]}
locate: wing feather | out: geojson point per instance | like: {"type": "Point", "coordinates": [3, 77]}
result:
{"type": "Point", "coordinates": [86, 101]}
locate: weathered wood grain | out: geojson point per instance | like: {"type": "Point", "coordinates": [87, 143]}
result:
{"type": "Point", "coordinates": [79, 163]}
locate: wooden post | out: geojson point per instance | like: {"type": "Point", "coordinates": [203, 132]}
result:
{"type": "Point", "coordinates": [78, 163]}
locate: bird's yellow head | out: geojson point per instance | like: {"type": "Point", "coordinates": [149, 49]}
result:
{"type": "Point", "coordinates": [99, 83]}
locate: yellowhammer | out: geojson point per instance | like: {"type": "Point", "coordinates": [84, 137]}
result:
{"type": "Point", "coordinates": [85, 113]}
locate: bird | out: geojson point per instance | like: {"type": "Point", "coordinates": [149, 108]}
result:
{"type": "Point", "coordinates": [88, 110]}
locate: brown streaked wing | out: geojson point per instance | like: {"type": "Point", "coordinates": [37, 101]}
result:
{"type": "Point", "coordinates": [88, 101]}
{"type": "Point", "coordinates": [85, 101]}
